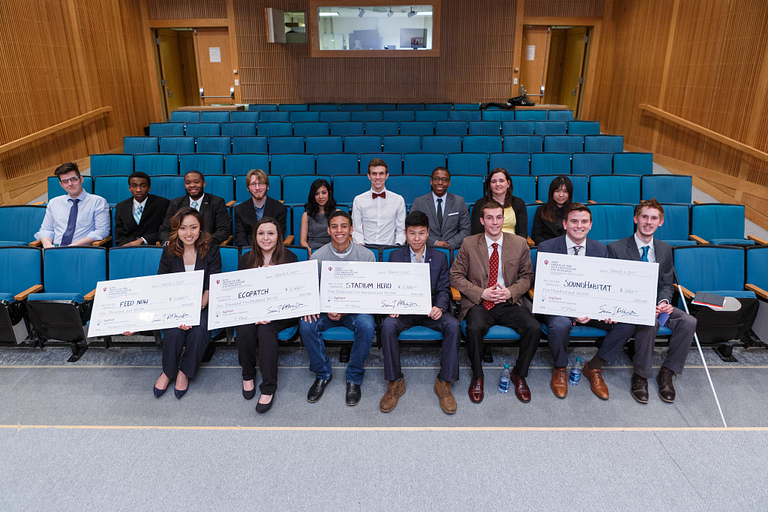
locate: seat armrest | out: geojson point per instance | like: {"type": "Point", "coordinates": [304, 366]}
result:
{"type": "Point", "coordinates": [530, 293]}
{"type": "Point", "coordinates": [38, 203]}
{"type": "Point", "coordinates": [101, 243]}
{"type": "Point", "coordinates": [687, 294]}
{"type": "Point", "coordinates": [227, 241]}
{"type": "Point", "coordinates": [35, 289]}
{"type": "Point", "coordinates": [90, 295]}
{"type": "Point", "coordinates": [288, 240]}
{"type": "Point", "coordinates": [698, 240]}
{"type": "Point", "coordinates": [592, 202]}
{"type": "Point", "coordinates": [36, 243]}
{"type": "Point", "coordinates": [531, 243]}
{"type": "Point", "coordinates": [758, 241]}
{"type": "Point", "coordinates": [231, 203]}
{"type": "Point", "coordinates": [751, 287]}
{"type": "Point", "coordinates": [539, 201]}
{"type": "Point", "coordinates": [455, 294]}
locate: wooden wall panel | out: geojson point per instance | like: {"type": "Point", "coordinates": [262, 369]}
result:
{"type": "Point", "coordinates": [564, 8]}
{"type": "Point", "coordinates": [186, 9]}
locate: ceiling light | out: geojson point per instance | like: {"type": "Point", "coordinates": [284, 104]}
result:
{"type": "Point", "coordinates": [327, 14]}
{"type": "Point", "coordinates": [424, 13]}
{"type": "Point", "coordinates": [412, 13]}
{"type": "Point", "coordinates": [361, 13]}
{"type": "Point", "coordinates": [390, 13]}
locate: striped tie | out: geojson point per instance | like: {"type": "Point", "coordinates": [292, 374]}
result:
{"type": "Point", "coordinates": [137, 214]}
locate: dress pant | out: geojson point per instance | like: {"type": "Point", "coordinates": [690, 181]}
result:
{"type": "Point", "coordinates": [265, 336]}
{"type": "Point", "coordinates": [479, 322]}
{"type": "Point", "coordinates": [449, 354]}
{"type": "Point", "coordinates": [682, 325]}
{"type": "Point", "coordinates": [364, 329]}
{"type": "Point", "coordinates": [559, 335]}
{"type": "Point", "coordinates": [192, 343]}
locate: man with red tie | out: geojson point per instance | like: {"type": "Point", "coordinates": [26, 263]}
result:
{"type": "Point", "coordinates": [378, 214]}
{"type": "Point", "coordinates": [492, 271]}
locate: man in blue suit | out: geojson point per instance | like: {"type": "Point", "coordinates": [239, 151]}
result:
{"type": "Point", "coordinates": [438, 319]}
{"type": "Point", "coordinates": [577, 223]}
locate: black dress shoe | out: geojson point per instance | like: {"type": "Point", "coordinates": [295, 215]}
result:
{"type": "Point", "coordinates": [159, 392]}
{"type": "Point", "coordinates": [316, 390]}
{"type": "Point", "coordinates": [262, 408]}
{"type": "Point", "coordinates": [249, 394]}
{"type": "Point", "coordinates": [639, 388]}
{"type": "Point", "coordinates": [666, 388]}
{"type": "Point", "coordinates": [353, 393]}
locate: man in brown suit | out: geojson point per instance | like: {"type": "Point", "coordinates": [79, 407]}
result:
{"type": "Point", "coordinates": [492, 271]}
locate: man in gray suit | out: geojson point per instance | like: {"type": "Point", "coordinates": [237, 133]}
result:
{"type": "Point", "coordinates": [448, 214]}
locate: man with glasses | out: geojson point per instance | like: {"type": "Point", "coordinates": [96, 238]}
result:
{"type": "Point", "coordinates": [248, 213]}
{"type": "Point", "coordinates": [448, 215]}
{"type": "Point", "coordinates": [77, 218]}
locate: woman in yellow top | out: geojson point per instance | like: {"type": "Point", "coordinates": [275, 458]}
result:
{"type": "Point", "coordinates": [498, 186]}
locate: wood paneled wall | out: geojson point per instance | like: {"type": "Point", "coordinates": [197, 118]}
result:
{"type": "Point", "coordinates": [60, 59]}
{"type": "Point", "coordinates": [565, 8]}
{"type": "Point", "coordinates": [186, 9]}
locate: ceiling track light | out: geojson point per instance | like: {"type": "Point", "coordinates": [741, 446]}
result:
{"type": "Point", "coordinates": [390, 13]}
{"type": "Point", "coordinates": [361, 13]}
{"type": "Point", "coordinates": [412, 13]}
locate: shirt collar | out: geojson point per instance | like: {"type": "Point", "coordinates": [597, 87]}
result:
{"type": "Point", "coordinates": [136, 204]}
{"type": "Point", "coordinates": [349, 249]}
{"type": "Point", "coordinates": [382, 190]}
{"type": "Point", "coordinates": [435, 197]}
{"type": "Point", "coordinates": [489, 242]}
{"type": "Point", "coordinates": [413, 256]}
{"type": "Point", "coordinates": [640, 244]}
{"type": "Point", "coordinates": [199, 201]}
{"type": "Point", "coordinates": [570, 243]}
{"type": "Point", "coordinates": [81, 197]}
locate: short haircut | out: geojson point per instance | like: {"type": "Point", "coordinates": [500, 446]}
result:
{"type": "Point", "coordinates": [650, 203]}
{"type": "Point", "coordinates": [195, 172]}
{"type": "Point", "coordinates": [441, 169]}
{"type": "Point", "coordinates": [339, 213]}
{"type": "Point", "coordinates": [416, 219]}
{"type": "Point", "coordinates": [490, 204]}
{"type": "Point", "coordinates": [142, 175]}
{"type": "Point", "coordinates": [261, 177]}
{"type": "Point", "coordinates": [377, 162]}
{"type": "Point", "coordinates": [66, 168]}
{"type": "Point", "coordinates": [577, 207]}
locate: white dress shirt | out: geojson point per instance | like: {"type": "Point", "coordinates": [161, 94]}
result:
{"type": "Point", "coordinates": [651, 251]}
{"type": "Point", "coordinates": [442, 205]}
{"type": "Point", "coordinates": [199, 202]}
{"type": "Point", "coordinates": [92, 218]}
{"type": "Point", "coordinates": [570, 244]}
{"type": "Point", "coordinates": [379, 221]}
{"type": "Point", "coordinates": [136, 206]}
{"type": "Point", "coordinates": [489, 242]}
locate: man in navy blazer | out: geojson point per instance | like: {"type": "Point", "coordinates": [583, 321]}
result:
{"type": "Point", "coordinates": [438, 319]}
{"type": "Point", "coordinates": [649, 216]}
{"type": "Point", "coordinates": [577, 223]}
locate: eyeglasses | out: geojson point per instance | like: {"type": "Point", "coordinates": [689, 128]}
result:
{"type": "Point", "coordinates": [70, 180]}
{"type": "Point", "coordinates": [441, 180]}
{"type": "Point", "coordinates": [257, 184]}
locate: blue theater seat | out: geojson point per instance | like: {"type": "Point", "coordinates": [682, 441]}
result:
{"type": "Point", "coordinates": [564, 144]}
{"type": "Point", "coordinates": [324, 107]}
{"type": "Point", "coordinates": [441, 144]}
{"type": "Point", "coordinates": [615, 188]}
{"type": "Point", "coordinates": [417, 127]}
{"type": "Point", "coordinates": [580, 187]}
{"type": "Point", "coordinates": [362, 144]}
{"type": "Point", "coordinates": [239, 164]}
{"type": "Point", "coordinates": [468, 187]}
{"type": "Point", "coordinates": [438, 106]}
{"type": "Point", "coordinates": [133, 145]}
{"type": "Point", "coordinates": [431, 115]}
{"type": "Point", "coordinates": [177, 145]}
{"type": "Point", "coordinates": [719, 224]}
{"type": "Point", "coordinates": [221, 145]}
{"type": "Point", "coordinates": [523, 143]}
{"type": "Point", "coordinates": [514, 163]}
{"type": "Point", "coordinates": [611, 222]}
{"type": "Point", "coordinates": [667, 188]}
{"type": "Point", "coordinates": [206, 163]}
{"type": "Point", "coordinates": [274, 117]}
{"type": "Point", "coordinates": [593, 163]}
{"type": "Point", "coordinates": [603, 143]}
{"type": "Point", "coordinates": [584, 128]}
{"type": "Point", "coordinates": [498, 115]}
{"type": "Point", "coordinates": [524, 187]}
{"type": "Point", "coordinates": [401, 143]}
{"type": "Point", "coordinates": [19, 223]}
{"type": "Point", "coordinates": [482, 143]}
{"type": "Point", "coordinates": [291, 107]}
{"type": "Point", "coordinates": [55, 189]}
{"type": "Point", "coordinates": [518, 128]}
{"type": "Point", "coordinates": [451, 128]}
{"type": "Point", "coordinates": [185, 116]}
{"type": "Point", "coordinates": [409, 186]}
{"type": "Point", "coordinates": [398, 116]}
{"type": "Point", "coordinates": [335, 117]}
{"type": "Point", "coordinates": [337, 163]}
{"type": "Point", "coordinates": [243, 116]}
{"type": "Point", "coordinates": [275, 129]}
{"type": "Point", "coordinates": [288, 144]}
{"type": "Point", "coordinates": [394, 162]}
{"type": "Point", "coordinates": [297, 189]}
{"type": "Point", "coordinates": [166, 129]}
{"type": "Point", "coordinates": [549, 128]}
{"type": "Point", "coordinates": [168, 187]}
{"type": "Point", "coordinates": [208, 116]}
{"type": "Point", "coordinates": [550, 163]}
{"type": "Point", "coordinates": [203, 130]}
{"type": "Point", "coordinates": [633, 163]}
{"type": "Point", "coordinates": [422, 163]}
{"type": "Point", "coordinates": [15, 286]}
{"type": "Point", "coordinates": [530, 115]}
{"type": "Point", "coordinates": [129, 262]}
{"type": "Point", "coordinates": [468, 163]}
{"type": "Point", "coordinates": [484, 128]}
{"type": "Point", "coordinates": [465, 115]}
{"type": "Point", "coordinates": [304, 117]}
{"type": "Point", "coordinates": [382, 128]}
{"type": "Point", "coordinates": [348, 128]}
{"type": "Point", "coordinates": [285, 164]}
{"type": "Point", "coordinates": [347, 186]}
{"type": "Point", "coordinates": [310, 129]}
{"type": "Point", "coordinates": [677, 225]}
{"type": "Point", "coordinates": [111, 165]}
{"type": "Point", "coordinates": [112, 188]}
{"type": "Point", "coordinates": [713, 269]}
{"type": "Point", "coordinates": [327, 144]}
{"type": "Point", "coordinates": [238, 129]}
{"type": "Point", "coordinates": [560, 115]}
{"type": "Point", "coordinates": [249, 144]}
{"type": "Point", "coordinates": [366, 116]}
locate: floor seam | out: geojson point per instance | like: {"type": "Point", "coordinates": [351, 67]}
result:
{"type": "Point", "coordinates": [672, 458]}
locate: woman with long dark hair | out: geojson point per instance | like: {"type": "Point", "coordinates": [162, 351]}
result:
{"type": "Point", "coordinates": [548, 220]}
{"type": "Point", "coordinates": [498, 186]}
{"type": "Point", "coordinates": [314, 224]}
{"type": "Point", "coordinates": [267, 249]}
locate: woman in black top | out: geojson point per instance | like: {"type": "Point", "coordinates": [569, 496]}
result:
{"type": "Point", "coordinates": [314, 222]}
{"type": "Point", "coordinates": [266, 249]}
{"type": "Point", "coordinates": [188, 249]}
{"type": "Point", "coordinates": [498, 186]}
{"type": "Point", "coordinates": [548, 221]}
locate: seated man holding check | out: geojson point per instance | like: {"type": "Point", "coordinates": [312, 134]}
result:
{"type": "Point", "coordinates": [577, 223]}
{"type": "Point", "coordinates": [438, 319]}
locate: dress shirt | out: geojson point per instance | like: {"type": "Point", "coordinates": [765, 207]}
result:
{"type": "Point", "coordinates": [379, 221]}
{"type": "Point", "coordinates": [442, 205]}
{"type": "Point", "coordinates": [489, 242]}
{"type": "Point", "coordinates": [651, 251]}
{"type": "Point", "coordinates": [570, 244]}
{"type": "Point", "coordinates": [92, 218]}
{"type": "Point", "coordinates": [136, 206]}
{"type": "Point", "coordinates": [414, 259]}
{"type": "Point", "coordinates": [259, 210]}
{"type": "Point", "coordinates": [199, 202]}
{"type": "Point", "coordinates": [344, 254]}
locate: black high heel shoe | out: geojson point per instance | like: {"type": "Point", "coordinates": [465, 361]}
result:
{"type": "Point", "coordinates": [159, 392]}
{"type": "Point", "coordinates": [248, 395]}
{"type": "Point", "coordinates": [180, 392]}
{"type": "Point", "coordinates": [262, 408]}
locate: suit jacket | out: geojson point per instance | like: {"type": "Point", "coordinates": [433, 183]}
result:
{"type": "Point", "coordinates": [438, 273]}
{"type": "Point", "coordinates": [543, 229]}
{"type": "Point", "coordinates": [148, 228]}
{"type": "Point", "coordinates": [471, 269]}
{"type": "Point", "coordinates": [215, 217]}
{"type": "Point", "coordinates": [521, 217]}
{"type": "Point", "coordinates": [455, 226]}
{"type": "Point", "coordinates": [558, 246]}
{"type": "Point", "coordinates": [245, 219]}
{"type": "Point", "coordinates": [211, 263]}
{"type": "Point", "coordinates": [626, 249]}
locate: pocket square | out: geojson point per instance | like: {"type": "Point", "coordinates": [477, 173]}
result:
{"type": "Point", "coordinates": [454, 213]}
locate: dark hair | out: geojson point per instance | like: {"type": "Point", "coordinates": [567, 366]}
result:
{"type": "Point", "coordinates": [311, 207]}
{"type": "Point", "coordinates": [66, 168]}
{"type": "Point", "coordinates": [377, 162]}
{"type": "Point", "coordinates": [416, 219]}
{"type": "Point", "coordinates": [650, 203]}
{"type": "Point", "coordinates": [255, 258]}
{"type": "Point", "coordinates": [175, 245]}
{"type": "Point", "coordinates": [487, 185]}
{"type": "Point", "coordinates": [339, 213]}
{"type": "Point", "coordinates": [577, 207]}
{"type": "Point", "coordinates": [441, 169]}
{"type": "Point", "coordinates": [142, 175]}
{"type": "Point", "coordinates": [196, 172]}
{"type": "Point", "coordinates": [490, 204]}
{"type": "Point", "coordinates": [549, 210]}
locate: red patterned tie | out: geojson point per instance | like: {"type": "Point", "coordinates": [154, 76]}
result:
{"type": "Point", "coordinates": [494, 274]}
{"type": "Point", "coordinates": [383, 195]}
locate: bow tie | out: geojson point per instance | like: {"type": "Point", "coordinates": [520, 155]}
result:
{"type": "Point", "coordinates": [383, 195]}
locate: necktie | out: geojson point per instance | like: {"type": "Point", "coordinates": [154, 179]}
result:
{"type": "Point", "coordinates": [66, 239]}
{"type": "Point", "coordinates": [196, 205]}
{"type": "Point", "coordinates": [644, 257]}
{"type": "Point", "coordinates": [576, 249]}
{"type": "Point", "coordinates": [137, 214]}
{"type": "Point", "coordinates": [383, 195]}
{"type": "Point", "coordinates": [439, 211]}
{"type": "Point", "coordinates": [493, 275]}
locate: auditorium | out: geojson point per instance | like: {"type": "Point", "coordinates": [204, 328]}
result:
{"type": "Point", "coordinates": [213, 211]}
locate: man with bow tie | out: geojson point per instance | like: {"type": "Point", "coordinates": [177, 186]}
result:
{"type": "Point", "coordinates": [378, 214]}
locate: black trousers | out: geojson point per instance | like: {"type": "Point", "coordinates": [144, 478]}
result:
{"type": "Point", "coordinates": [265, 336]}
{"type": "Point", "coordinates": [192, 342]}
{"type": "Point", "coordinates": [479, 322]}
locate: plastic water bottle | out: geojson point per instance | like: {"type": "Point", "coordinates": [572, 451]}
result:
{"type": "Point", "coordinates": [575, 372]}
{"type": "Point", "coordinates": [504, 379]}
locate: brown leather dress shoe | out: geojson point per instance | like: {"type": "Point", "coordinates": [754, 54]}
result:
{"type": "Point", "coordinates": [443, 392]}
{"type": "Point", "coordinates": [559, 382]}
{"type": "Point", "coordinates": [666, 388]}
{"type": "Point", "coordinates": [476, 393]}
{"type": "Point", "coordinates": [639, 388]}
{"type": "Point", "coordinates": [395, 389]}
{"type": "Point", "coordinates": [596, 382]}
{"type": "Point", "coordinates": [522, 392]}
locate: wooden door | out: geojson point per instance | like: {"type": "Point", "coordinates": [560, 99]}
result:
{"type": "Point", "coordinates": [214, 73]}
{"type": "Point", "coordinates": [533, 61]}
{"type": "Point", "coordinates": [554, 66]}
{"type": "Point", "coordinates": [189, 67]}
{"type": "Point", "coordinates": [170, 60]}
{"type": "Point", "coordinates": [573, 66]}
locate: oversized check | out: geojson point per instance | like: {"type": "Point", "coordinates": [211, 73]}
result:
{"type": "Point", "coordinates": [266, 293]}
{"type": "Point", "coordinates": [147, 303]}
{"type": "Point", "coordinates": [375, 288]}
{"type": "Point", "coordinates": [600, 288]}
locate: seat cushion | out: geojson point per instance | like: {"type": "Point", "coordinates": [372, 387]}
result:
{"type": "Point", "coordinates": [338, 334]}
{"type": "Point", "coordinates": [580, 331]}
{"type": "Point", "coordinates": [287, 334]}
{"type": "Point", "coordinates": [496, 332]}
{"type": "Point", "coordinates": [11, 243]}
{"type": "Point", "coordinates": [7, 297]}
{"type": "Point", "coordinates": [731, 241]}
{"type": "Point", "coordinates": [420, 333]}
{"type": "Point", "coordinates": [664, 331]}
{"type": "Point", "coordinates": [57, 296]}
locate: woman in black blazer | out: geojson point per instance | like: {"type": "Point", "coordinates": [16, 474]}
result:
{"type": "Point", "coordinates": [548, 220]}
{"type": "Point", "coordinates": [188, 249]}
{"type": "Point", "coordinates": [498, 186]}
{"type": "Point", "coordinates": [266, 249]}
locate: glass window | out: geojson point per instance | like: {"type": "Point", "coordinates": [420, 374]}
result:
{"type": "Point", "coordinates": [396, 27]}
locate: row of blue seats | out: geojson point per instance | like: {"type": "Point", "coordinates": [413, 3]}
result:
{"type": "Point", "coordinates": [381, 128]}
{"type": "Point", "coordinates": [376, 143]}
{"type": "Point", "coordinates": [478, 164]}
